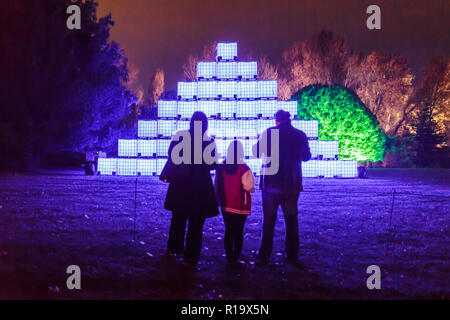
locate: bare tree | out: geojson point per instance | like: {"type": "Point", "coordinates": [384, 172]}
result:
{"type": "Point", "coordinates": [384, 83]}
{"type": "Point", "coordinates": [190, 66]}
{"type": "Point", "coordinates": [320, 60]}
{"type": "Point", "coordinates": [433, 93]}
{"type": "Point", "coordinates": [156, 87]}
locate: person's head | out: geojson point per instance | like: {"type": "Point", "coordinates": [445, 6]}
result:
{"type": "Point", "coordinates": [201, 117]}
{"type": "Point", "coordinates": [282, 116]}
{"type": "Point", "coordinates": [235, 155]}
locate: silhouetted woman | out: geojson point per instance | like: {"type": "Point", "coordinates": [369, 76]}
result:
{"type": "Point", "coordinates": [190, 195]}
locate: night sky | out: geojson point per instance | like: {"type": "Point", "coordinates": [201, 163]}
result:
{"type": "Point", "coordinates": [161, 33]}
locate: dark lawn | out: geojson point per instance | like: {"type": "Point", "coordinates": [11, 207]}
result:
{"type": "Point", "coordinates": [54, 219]}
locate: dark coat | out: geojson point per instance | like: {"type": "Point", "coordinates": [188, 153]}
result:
{"type": "Point", "coordinates": [293, 149]}
{"type": "Point", "coordinates": [191, 189]}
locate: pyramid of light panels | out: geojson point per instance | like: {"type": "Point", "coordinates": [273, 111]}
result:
{"type": "Point", "coordinates": [238, 106]}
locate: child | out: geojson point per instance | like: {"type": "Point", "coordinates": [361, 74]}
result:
{"type": "Point", "coordinates": [234, 183]}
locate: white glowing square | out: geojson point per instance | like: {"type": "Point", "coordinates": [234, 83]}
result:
{"type": "Point", "coordinates": [264, 124]}
{"type": "Point", "coordinates": [146, 167]}
{"type": "Point", "coordinates": [247, 70]}
{"type": "Point", "coordinates": [160, 163]}
{"type": "Point", "coordinates": [147, 128]}
{"type": "Point", "coordinates": [167, 109]}
{"type": "Point", "coordinates": [222, 147]}
{"type": "Point", "coordinates": [247, 109]}
{"type": "Point", "coordinates": [268, 108]}
{"type": "Point", "coordinates": [227, 89]}
{"type": "Point", "coordinates": [247, 90]}
{"type": "Point", "coordinates": [127, 148]}
{"type": "Point", "coordinates": [206, 70]}
{"type": "Point", "coordinates": [187, 108]}
{"type": "Point", "coordinates": [309, 127]}
{"type": "Point", "coordinates": [208, 107]}
{"type": "Point", "coordinates": [207, 89]}
{"type": "Point", "coordinates": [327, 168]}
{"type": "Point", "coordinates": [267, 89]}
{"type": "Point", "coordinates": [107, 166]}
{"type": "Point", "coordinates": [227, 70]}
{"type": "Point", "coordinates": [213, 128]}
{"type": "Point", "coordinates": [310, 169]}
{"type": "Point", "coordinates": [325, 149]}
{"type": "Point", "coordinates": [248, 146]}
{"type": "Point", "coordinates": [226, 51]}
{"type": "Point", "coordinates": [227, 109]}
{"type": "Point", "coordinates": [183, 125]}
{"type": "Point", "coordinates": [126, 167]}
{"type": "Point", "coordinates": [163, 147]}
{"type": "Point", "coordinates": [347, 168]}
{"type": "Point", "coordinates": [225, 128]}
{"type": "Point", "coordinates": [147, 148]}
{"type": "Point", "coordinates": [246, 128]}
{"type": "Point", "coordinates": [187, 90]}
{"type": "Point", "coordinates": [289, 106]}
{"type": "Point", "coordinates": [166, 128]}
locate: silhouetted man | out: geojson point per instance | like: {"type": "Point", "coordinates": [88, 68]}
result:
{"type": "Point", "coordinates": [284, 186]}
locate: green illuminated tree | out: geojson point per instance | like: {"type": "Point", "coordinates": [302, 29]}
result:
{"type": "Point", "coordinates": [343, 117]}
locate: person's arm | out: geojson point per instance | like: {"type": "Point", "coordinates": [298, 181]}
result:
{"type": "Point", "coordinates": [248, 181]}
{"type": "Point", "coordinates": [305, 152]}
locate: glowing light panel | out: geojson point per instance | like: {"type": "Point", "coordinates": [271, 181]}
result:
{"type": "Point", "coordinates": [246, 128]}
{"type": "Point", "coordinates": [226, 51]}
{"type": "Point", "coordinates": [127, 148]}
{"type": "Point", "coordinates": [227, 70]}
{"type": "Point", "coordinates": [166, 128]}
{"type": "Point", "coordinates": [289, 106]}
{"type": "Point", "coordinates": [167, 109]}
{"type": "Point", "coordinates": [347, 168]}
{"type": "Point", "coordinates": [146, 167]}
{"type": "Point", "coordinates": [227, 89]}
{"type": "Point", "coordinates": [267, 108]}
{"type": "Point", "coordinates": [309, 127]}
{"type": "Point", "coordinates": [206, 70]}
{"type": "Point", "coordinates": [207, 89]}
{"type": "Point", "coordinates": [247, 70]}
{"type": "Point", "coordinates": [126, 167]}
{"type": "Point", "coordinates": [227, 109]}
{"type": "Point", "coordinates": [163, 147]}
{"type": "Point", "coordinates": [247, 108]}
{"type": "Point", "coordinates": [324, 149]}
{"type": "Point", "coordinates": [147, 128]}
{"type": "Point", "coordinates": [267, 89]}
{"type": "Point", "coordinates": [187, 108]}
{"type": "Point", "coordinates": [209, 107]}
{"type": "Point", "coordinates": [247, 90]}
{"type": "Point", "coordinates": [183, 125]}
{"type": "Point", "coordinates": [107, 166]}
{"type": "Point", "coordinates": [187, 90]}
{"type": "Point", "coordinates": [147, 148]}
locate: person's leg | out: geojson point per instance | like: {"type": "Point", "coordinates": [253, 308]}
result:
{"type": "Point", "coordinates": [290, 210]}
{"type": "Point", "coordinates": [239, 234]}
{"type": "Point", "coordinates": [177, 231]}
{"type": "Point", "coordinates": [271, 202]}
{"type": "Point", "coordinates": [194, 238]}
{"type": "Point", "coordinates": [228, 238]}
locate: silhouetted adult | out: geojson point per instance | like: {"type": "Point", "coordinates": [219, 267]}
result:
{"type": "Point", "coordinates": [283, 187]}
{"type": "Point", "coordinates": [190, 195]}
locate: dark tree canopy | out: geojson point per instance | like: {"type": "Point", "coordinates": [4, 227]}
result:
{"type": "Point", "coordinates": [343, 117]}
{"type": "Point", "coordinates": [61, 89]}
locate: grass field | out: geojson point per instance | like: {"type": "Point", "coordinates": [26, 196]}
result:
{"type": "Point", "coordinates": [51, 220]}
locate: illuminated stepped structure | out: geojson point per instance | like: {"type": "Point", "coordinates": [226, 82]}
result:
{"type": "Point", "coordinates": [238, 106]}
